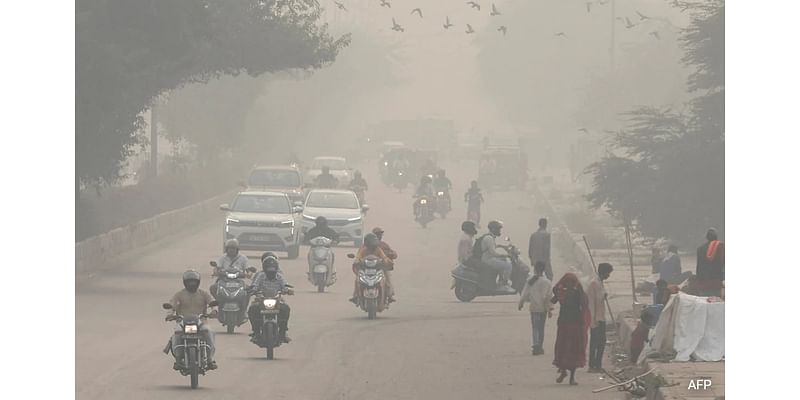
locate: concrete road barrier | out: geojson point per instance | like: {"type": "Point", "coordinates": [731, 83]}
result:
{"type": "Point", "coordinates": [100, 250]}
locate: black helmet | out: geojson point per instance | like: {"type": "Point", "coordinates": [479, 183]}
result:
{"type": "Point", "coordinates": [269, 262]}
{"type": "Point", "coordinates": [371, 240]}
{"type": "Point", "coordinates": [322, 221]}
{"type": "Point", "coordinates": [469, 227]}
{"type": "Point", "coordinates": [191, 280]}
{"type": "Point", "coordinates": [495, 226]}
{"type": "Point", "coordinates": [268, 254]}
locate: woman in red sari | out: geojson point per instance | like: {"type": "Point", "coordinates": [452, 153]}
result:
{"type": "Point", "coordinates": [573, 327]}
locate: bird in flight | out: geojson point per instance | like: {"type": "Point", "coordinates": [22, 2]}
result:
{"type": "Point", "coordinates": [494, 12]}
{"type": "Point", "coordinates": [656, 35]}
{"type": "Point", "coordinates": [469, 29]}
{"type": "Point", "coordinates": [503, 29]}
{"type": "Point", "coordinates": [340, 5]}
{"type": "Point", "coordinates": [385, 3]}
{"type": "Point", "coordinates": [561, 34]}
{"type": "Point", "coordinates": [628, 23]}
{"type": "Point", "coordinates": [588, 6]}
{"type": "Point", "coordinates": [447, 23]}
{"type": "Point", "coordinates": [642, 16]}
{"type": "Point", "coordinates": [396, 26]}
{"type": "Point", "coordinates": [474, 5]}
{"type": "Point", "coordinates": [418, 11]}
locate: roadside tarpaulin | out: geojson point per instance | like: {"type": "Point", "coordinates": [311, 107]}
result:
{"type": "Point", "coordinates": [690, 328]}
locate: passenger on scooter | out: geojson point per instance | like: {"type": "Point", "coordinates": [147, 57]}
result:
{"type": "Point", "coordinates": [491, 258]}
{"type": "Point", "coordinates": [231, 260]}
{"type": "Point", "coordinates": [466, 242]}
{"type": "Point", "coordinates": [325, 180]}
{"type": "Point", "coordinates": [392, 256]}
{"type": "Point", "coordinates": [321, 229]}
{"type": "Point", "coordinates": [371, 247]}
{"type": "Point", "coordinates": [269, 280]}
{"type": "Point", "coordinates": [425, 189]}
{"type": "Point", "coordinates": [192, 301]}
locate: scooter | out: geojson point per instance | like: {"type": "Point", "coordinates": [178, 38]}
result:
{"type": "Point", "coordinates": [371, 295]}
{"type": "Point", "coordinates": [270, 337]}
{"type": "Point", "coordinates": [232, 294]}
{"type": "Point", "coordinates": [473, 278]}
{"type": "Point", "coordinates": [423, 211]}
{"type": "Point", "coordinates": [194, 358]}
{"type": "Point", "coordinates": [320, 263]}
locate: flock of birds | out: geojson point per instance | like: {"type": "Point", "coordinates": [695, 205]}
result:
{"type": "Point", "coordinates": [503, 29]}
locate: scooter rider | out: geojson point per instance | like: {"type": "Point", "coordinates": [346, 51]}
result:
{"type": "Point", "coordinates": [370, 247]}
{"type": "Point", "coordinates": [192, 300]}
{"type": "Point", "coordinates": [269, 279]}
{"type": "Point", "coordinates": [392, 256]}
{"type": "Point", "coordinates": [425, 189]}
{"type": "Point", "coordinates": [321, 229]}
{"type": "Point", "coordinates": [325, 180]}
{"type": "Point", "coordinates": [230, 260]}
{"type": "Point", "coordinates": [491, 258]}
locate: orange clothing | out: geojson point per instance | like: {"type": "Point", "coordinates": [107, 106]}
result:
{"type": "Point", "coordinates": [388, 250]}
{"type": "Point", "coordinates": [365, 251]}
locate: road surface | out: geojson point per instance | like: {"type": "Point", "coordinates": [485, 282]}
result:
{"type": "Point", "coordinates": [428, 345]}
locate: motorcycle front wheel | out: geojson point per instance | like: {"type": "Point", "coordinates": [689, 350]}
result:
{"type": "Point", "coordinates": [193, 368]}
{"type": "Point", "coordinates": [372, 308]}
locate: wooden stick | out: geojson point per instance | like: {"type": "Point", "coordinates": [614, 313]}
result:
{"type": "Point", "coordinates": [611, 314]}
{"type": "Point", "coordinates": [630, 257]}
{"type": "Point", "coordinates": [623, 383]}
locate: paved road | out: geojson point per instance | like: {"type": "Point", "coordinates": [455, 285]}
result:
{"type": "Point", "coordinates": [428, 345]}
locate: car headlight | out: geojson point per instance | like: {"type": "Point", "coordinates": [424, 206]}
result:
{"type": "Point", "coordinates": [354, 219]}
{"type": "Point", "coordinates": [190, 329]}
{"type": "Point", "coordinates": [231, 221]}
{"type": "Point", "coordinates": [386, 163]}
{"type": "Point", "coordinates": [288, 223]}
{"type": "Point", "coordinates": [270, 303]}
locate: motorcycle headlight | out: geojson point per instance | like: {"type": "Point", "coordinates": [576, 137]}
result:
{"type": "Point", "coordinates": [190, 329]}
{"type": "Point", "coordinates": [441, 193]}
{"type": "Point", "coordinates": [233, 276]}
{"type": "Point", "coordinates": [400, 173]}
{"type": "Point", "coordinates": [386, 163]}
{"type": "Point", "coordinates": [270, 303]}
{"type": "Point", "coordinates": [423, 201]}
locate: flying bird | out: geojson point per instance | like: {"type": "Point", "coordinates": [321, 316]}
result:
{"type": "Point", "coordinates": [588, 6]}
{"type": "Point", "coordinates": [340, 5]}
{"type": "Point", "coordinates": [418, 11]}
{"type": "Point", "coordinates": [474, 5]}
{"type": "Point", "coordinates": [447, 23]}
{"type": "Point", "coordinates": [469, 29]}
{"type": "Point", "coordinates": [396, 26]}
{"type": "Point", "coordinates": [561, 34]}
{"type": "Point", "coordinates": [642, 16]}
{"type": "Point", "coordinates": [628, 23]}
{"type": "Point", "coordinates": [656, 35]}
{"type": "Point", "coordinates": [385, 3]}
{"type": "Point", "coordinates": [494, 12]}
{"type": "Point", "coordinates": [503, 29]}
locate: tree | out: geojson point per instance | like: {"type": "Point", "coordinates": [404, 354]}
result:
{"type": "Point", "coordinates": [665, 170]}
{"type": "Point", "coordinates": [130, 52]}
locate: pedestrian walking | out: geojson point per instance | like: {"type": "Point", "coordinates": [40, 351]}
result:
{"type": "Point", "coordinates": [710, 269]}
{"type": "Point", "coordinates": [597, 295]}
{"type": "Point", "coordinates": [537, 293]}
{"type": "Point", "coordinates": [539, 248]}
{"type": "Point", "coordinates": [573, 324]}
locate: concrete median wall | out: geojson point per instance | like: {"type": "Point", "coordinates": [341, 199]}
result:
{"type": "Point", "coordinates": [97, 251]}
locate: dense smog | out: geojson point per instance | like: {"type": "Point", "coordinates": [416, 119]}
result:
{"type": "Point", "coordinates": [400, 199]}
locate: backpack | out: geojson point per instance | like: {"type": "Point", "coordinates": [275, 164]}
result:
{"type": "Point", "coordinates": [477, 248]}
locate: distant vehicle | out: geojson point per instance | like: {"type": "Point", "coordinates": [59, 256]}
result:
{"type": "Point", "coordinates": [277, 178]}
{"type": "Point", "coordinates": [342, 209]}
{"type": "Point", "coordinates": [337, 165]}
{"type": "Point", "coordinates": [503, 167]}
{"type": "Point", "coordinates": [263, 221]}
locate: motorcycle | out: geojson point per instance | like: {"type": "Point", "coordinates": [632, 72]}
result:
{"type": "Point", "coordinates": [371, 294]}
{"type": "Point", "coordinates": [232, 294]}
{"type": "Point", "coordinates": [442, 203]}
{"type": "Point", "coordinates": [320, 263]}
{"type": "Point", "coordinates": [194, 361]}
{"type": "Point", "coordinates": [473, 278]}
{"type": "Point", "coordinates": [270, 337]}
{"type": "Point", "coordinates": [423, 211]}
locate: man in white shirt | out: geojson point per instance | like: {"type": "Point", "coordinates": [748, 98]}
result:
{"type": "Point", "coordinates": [597, 308]}
{"type": "Point", "coordinates": [538, 291]}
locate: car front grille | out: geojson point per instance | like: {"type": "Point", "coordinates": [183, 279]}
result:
{"type": "Point", "coordinates": [261, 224]}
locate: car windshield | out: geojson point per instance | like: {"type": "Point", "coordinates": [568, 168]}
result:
{"type": "Point", "coordinates": [332, 200]}
{"type": "Point", "coordinates": [331, 163]}
{"type": "Point", "coordinates": [275, 178]}
{"type": "Point", "coordinates": [261, 204]}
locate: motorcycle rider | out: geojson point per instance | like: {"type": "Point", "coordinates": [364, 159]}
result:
{"type": "Point", "coordinates": [371, 247]}
{"type": "Point", "coordinates": [425, 189]}
{"type": "Point", "coordinates": [358, 181]}
{"type": "Point", "coordinates": [487, 249]}
{"type": "Point", "coordinates": [474, 198]}
{"type": "Point", "coordinates": [321, 228]}
{"type": "Point", "coordinates": [192, 300]}
{"type": "Point", "coordinates": [269, 279]}
{"type": "Point", "coordinates": [442, 184]}
{"type": "Point", "coordinates": [273, 255]}
{"type": "Point", "coordinates": [325, 180]}
{"type": "Point", "coordinates": [392, 256]}
{"type": "Point", "coordinates": [230, 260]}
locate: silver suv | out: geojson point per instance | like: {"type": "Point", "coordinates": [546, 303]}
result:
{"type": "Point", "coordinates": [263, 221]}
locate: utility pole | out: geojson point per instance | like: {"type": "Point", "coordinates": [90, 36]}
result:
{"type": "Point", "coordinates": [154, 139]}
{"type": "Point", "coordinates": [613, 34]}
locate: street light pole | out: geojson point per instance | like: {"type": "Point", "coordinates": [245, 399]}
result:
{"type": "Point", "coordinates": [613, 34]}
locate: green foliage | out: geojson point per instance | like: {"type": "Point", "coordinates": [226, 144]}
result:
{"type": "Point", "coordinates": [129, 52]}
{"type": "Point", "coordinates": [666, 172]}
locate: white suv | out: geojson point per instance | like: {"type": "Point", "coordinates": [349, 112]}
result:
{"type": "Point", "coordinates": [344, 213]}
{"type": "Point", "coordinates": [263, 221]}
